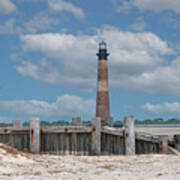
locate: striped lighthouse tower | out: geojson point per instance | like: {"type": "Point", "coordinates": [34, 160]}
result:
{"type": "Point", "coordinates": [102, 99]}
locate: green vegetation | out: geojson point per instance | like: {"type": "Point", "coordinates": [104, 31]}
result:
{"type": "Point", "coordinates": [151, 121]}
{"type": "Point", "coordinates": [88, 123]}
{"type": "Point", "coordinates": [55, 123]}
{"type": "Point", "coordinates": [158, 121]}
{"type": "Point", "coordinates": [48, 123]}
{"type": "Point", "coordinates": [5, 124]}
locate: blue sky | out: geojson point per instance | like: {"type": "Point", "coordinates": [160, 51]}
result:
{"type": "Point", "coordinates": [49, 66]}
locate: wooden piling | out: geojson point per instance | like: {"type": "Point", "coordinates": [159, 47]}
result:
{"type": "Point", "coordinates": [17, 124]}
{"type": "Point", "coordinates": [35, 135]}
{"type": "Point", "coordinates": [74, 143]}
{"type": "Point", "coordinates": [177, 142]}
{"type": "Point", "coordinates": [129, 135]}
{"type": "Point", "coordinates": [163, 144]}
{"type": "Point", "coordinates": [76, 121]}
{"type": "Point", "coordinates": [96, 136]}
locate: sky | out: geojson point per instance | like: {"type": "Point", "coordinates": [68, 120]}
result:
{"type": "Point", "coordinates": [48, 65]}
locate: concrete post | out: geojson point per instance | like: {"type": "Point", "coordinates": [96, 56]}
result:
{"type": "Point", "coordinates": [17, 124]}
{"type": "Point", "coordinates": [96, 136]}
{"type": "Point", "coordinates": [163, 144]}
{"type": "Point", "coordinates": [76, 121]}
{"type": "Point", "coordinates": [129, 135]}
{"type": "Point", "coordinates": [35, 135]}
{"type": "Point", "coordinates": [177, 142]}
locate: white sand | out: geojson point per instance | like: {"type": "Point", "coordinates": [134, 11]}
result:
{"type": "Point", "coordinates": [159, 131]}
{"type": "Point", "coordinates": [20, 166]}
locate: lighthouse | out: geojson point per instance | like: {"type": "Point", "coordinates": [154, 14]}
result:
{"type": "Point", "coordinates": [102, 98]}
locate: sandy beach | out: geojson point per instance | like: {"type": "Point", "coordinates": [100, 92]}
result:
{"type": "Point", "coordinates": [15, 165]}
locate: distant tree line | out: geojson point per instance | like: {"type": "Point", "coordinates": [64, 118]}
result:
{"type": "Point", "coordinates": [118, 123]}
{"type": "Point", "coordinates": [5, 124]}
{"type": "Point", "coordinates": [151, 121]}
{"type": "Point", "coordinates": [47, 123]}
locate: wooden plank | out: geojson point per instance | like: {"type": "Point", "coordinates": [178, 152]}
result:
{"type": "Point", "coordinates": [147, 137]}
{"type": "Point", "coordinates": [15, 129]}
{"type": "Point", "coordinates": [50, 129]}
{"type": "Point", "coordinates": [15, 133]}
{"type": "Point", "coordinates": [74, 144]}
{"type": "Point", "coordinates": [112, 131]}
{"type": "Point", "coordinates": [70, 143]}
{"type": "Point", "coordinates": [12, 130]}
{"type": "Point", "coordinates": [68, 130]}
{"type": "Point", "coordinates": [173, 151]}
{"type": "Point", "coordinates": [61, 144]}
{"type": "Point", "coordinates": [177, 141]}
{"type": "Point", "coordinates": [63, 127]}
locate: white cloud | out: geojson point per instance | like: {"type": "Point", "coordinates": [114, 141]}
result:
{"type": "Point", "coordinates": [6, 7]}
{"type": "Point", "coordinates": [65, 106]}
{"type": "Point", "coordinates": [9, 27]}
{"type": "Point", "coordinates": [151, 5]}
{"type": "Point", "coordinates": [40, 22]}
{"type": "Point", "coordinates": [14, 57]}
{"type": "Point", "coordinates": [170, 109]}
{"type": "Point", "coordinates": [163, 80]}
{"type": "Point", "coordinates": [78, 67]}
{"type": "Point", "coordinates": [135, 61]}
{"type": "Point", "coordinates": [61, 5]}
{"type": "Point", "coordinates": [27, 1]}
{"type": "Point", "coordinates": [43, 72]}
{"type": "Point", "coordinates": [138, 26]}
{"type": "Point", "coordinates": [158, 5]}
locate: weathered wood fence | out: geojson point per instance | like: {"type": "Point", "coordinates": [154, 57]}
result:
{"type": "Point", "coordinates": [83, 140]}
